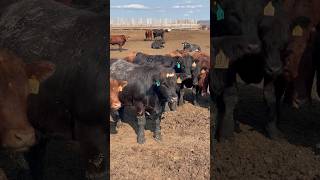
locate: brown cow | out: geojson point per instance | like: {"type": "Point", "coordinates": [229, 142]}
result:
{"type": "Point", "coordinates": [116, 87]}
{"type": "Point", "coordinates": [202, 61]}
{"type": "Point", "coordinates": [299, 68]}
{"type": "Point", "coordinates": [148, 35]}
{"type": "Point", "coordinates": [17, 81]}
{"type": "Point", "coordinates": [119, 40]}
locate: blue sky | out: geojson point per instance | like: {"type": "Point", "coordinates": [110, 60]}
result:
{"type": "Point", "coordinates": [174, 9]}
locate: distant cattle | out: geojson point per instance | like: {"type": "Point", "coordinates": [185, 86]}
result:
{"type": "Point", "coordinates": [158, 33]}
{"type": "Point", "coordinates": [157, 44]}
{"type": "Point", "coordinates": [118, 40]}
{"type": "Point", "coordinates": [72, 103]}
{"type": "Point", "coordinates": [17, 81]}
{"type": "Point", "coordinates": [148, 34]}
{"type": "Point", "coordinates": [190, 47]}
{"type": "Point", "coordinates": [116, 86]}
{"type": "Point", "coordinates": [148, 89]}
{"type": "Point", "coordinates": [247, 41]}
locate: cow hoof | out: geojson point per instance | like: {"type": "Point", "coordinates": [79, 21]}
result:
{"type": "Point", "coordinates": [226, 139]}
{"type": "Point", "coordinates": [94, 176]}
{"type": "Point", "coordinates": [141, 140]}
{"type": "Point", "coordinates": [166, 108]}
{"type": "Point", "coordinates": [274, 133]}
{"type": "Point", "coordinates": [157, 137]}
{"type": "Point", "coordinates": [119, 124]}
{"type": "Point", "coordinates": [195, 103]}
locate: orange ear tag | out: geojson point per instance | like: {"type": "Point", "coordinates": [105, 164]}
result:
{"type": "Point", "coordinates": [34, 85]}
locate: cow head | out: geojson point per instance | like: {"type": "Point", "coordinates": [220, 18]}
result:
{"type": "Point", "coordinates": [167, 87]}
{"type": "Point", "coordinates": [116, 86]}
{"type": "Point", "coordinates": [247, 20]}
{"type": "Point", "coordinates": [17, 81]}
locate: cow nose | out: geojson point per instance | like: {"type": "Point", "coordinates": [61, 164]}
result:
{"type": "Point", "coordinates": [174, 99]}
{"type": "Point", "coordinates": [25, 138]}
{"type": "Point", "coordinates": [253, 47]}
{"type": "Point", "coordinates": [116, 105]}
{"type": "Point", "coordinates": [274, 71]}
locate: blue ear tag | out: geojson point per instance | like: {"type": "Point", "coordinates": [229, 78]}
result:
{"type": "Point", "coordinates": [220, 13]}
{"type": "Point", "coordinates": [178, 65]}
{"type": "Point", "coordinates": [158, 83]}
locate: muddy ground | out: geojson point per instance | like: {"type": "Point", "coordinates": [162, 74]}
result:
{"type": "Point", "coordinates": [252, 156]}
{"type": "Point", "coordinates": [184, 151]}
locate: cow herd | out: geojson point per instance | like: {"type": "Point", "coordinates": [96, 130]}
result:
{"type": "Point", "coordinates": [156, 34]}
{"type": "Point", "coordinates": [153, 84]}
{"type": "Point", "coordinates": [65, 93]}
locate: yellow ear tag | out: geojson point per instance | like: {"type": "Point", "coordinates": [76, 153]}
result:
{"type": "Point", "coordinates": [297, 31]}
{"type": "Point", "coordinates": [194, 64]}
{"type": "Point", "coordinates": [179, 80]}
{"type": "Point", "coordinates": [269, 9]}
{"type": "Point", "coordinates": [222, 61]}
{"type": "Point", "coordinates": [34, 85]}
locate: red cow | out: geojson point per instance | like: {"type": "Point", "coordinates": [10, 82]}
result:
{"type": "Point", "coordinates": [202, 61]}
{"type": "Point", "coordinates": [119, 40]}
{"type": "Point", "coordinates": [299, 67]}
{"type": "Point", "coordinates": [17, 81]}
{"type": "Point", "coordinates": [116, 87]}
{"type": "Point", "coordinates": [148, 34]}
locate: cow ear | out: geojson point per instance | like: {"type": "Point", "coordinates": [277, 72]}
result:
{"type": "Point", "coordinates": [41, 70]}
{"type": "Point", "coordinates": [123, 83]}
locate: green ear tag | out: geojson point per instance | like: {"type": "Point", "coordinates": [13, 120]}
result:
{"type": "Point", "coordinates": [158, 83]}
{"type": "Point", "coordinates": [178, 65]}
{"type": "Point", "coordinates": [220, 13]}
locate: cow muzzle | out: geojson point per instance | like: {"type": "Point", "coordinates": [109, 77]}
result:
{"type": "Point", "coordinates": [19, 140]}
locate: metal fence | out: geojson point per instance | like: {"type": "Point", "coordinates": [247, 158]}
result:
{"type": "Point", "coordinates": [149, 23]}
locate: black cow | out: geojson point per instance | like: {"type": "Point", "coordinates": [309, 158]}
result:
{"type": "Point", "coordinates": [148, 89]}
{"type": "Point", "coordinates": [73, 102]}
{"type": "Point", "coordinates": [181, 65]}
{"type": "Point", "coordinates": [157, 44]}
{"type": "Point", "coordinates": [190, 47]}
{"type": "Point", "coordinates": [249, 39]}
{"type": "Point", "coordinates": [158, 33]}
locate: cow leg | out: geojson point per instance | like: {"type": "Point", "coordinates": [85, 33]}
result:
{"type": "Point", "coordinates": [116, 117]}
{"type": "Point", "coordinates": [141, 122]}
{"type": "Point", "coordinates": [157, 132]}
{"type": "Point", "coordinates": [226, 122]}
{"type": "Point", "coordinates": [273, 104]}
{"type": "Point", "coordinates": [120, 48]}
{"type": "Point", "coordinates": [141, 125]}
{"type": "Point", "coordinates": [181, 97]}
{"type": "Point", "coordinates": [195, 93]}
{"type": "Point", "coordinates": [318, 81]}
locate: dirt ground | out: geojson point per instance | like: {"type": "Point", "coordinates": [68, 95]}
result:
{"type": "Point", "coordinates": [184, 150]}
{"type": "Point", "coordinates": [252, 156]}
{"type": "Point", "coordinates": [173, 41]}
